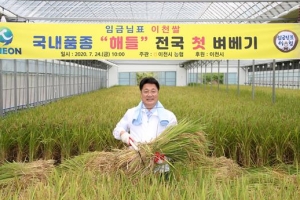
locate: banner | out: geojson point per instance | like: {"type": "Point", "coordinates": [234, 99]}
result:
{"type": "Point", "coordinates": [149, 41]}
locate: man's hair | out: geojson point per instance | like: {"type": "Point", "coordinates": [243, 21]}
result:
{"type": "Point", "coordinates": [150, 80]}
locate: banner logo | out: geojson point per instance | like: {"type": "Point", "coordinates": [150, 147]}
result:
{"type": "Point", "coordinates": [285, 41]}
{"type": "Point", "coordinates": [6, 36]}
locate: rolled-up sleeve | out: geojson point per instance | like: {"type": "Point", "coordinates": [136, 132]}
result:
{"type": "Point", "coordinates": [122, 125]}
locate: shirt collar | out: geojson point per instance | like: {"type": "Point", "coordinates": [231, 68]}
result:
{"type": "Point", "coordinates": [153, 110]}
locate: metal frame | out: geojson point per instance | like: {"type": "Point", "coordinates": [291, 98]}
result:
{"type": "Point", "coordinates": [258, 11]}
{"type": "Point", "coordinates": [154, 20]}
{"type": "Point", "coordinates": [164, 0]}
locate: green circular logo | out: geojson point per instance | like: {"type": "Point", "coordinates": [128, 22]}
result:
{"type": "Point", "coordinates": [6, 36]}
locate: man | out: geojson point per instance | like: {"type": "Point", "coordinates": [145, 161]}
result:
{"type": "Point", "coordinates": [146, 121]}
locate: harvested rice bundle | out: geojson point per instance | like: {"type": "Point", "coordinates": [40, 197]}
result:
{"type": "Point", "coordinates": [223, 167]}
{"type": "Point", "coordinates": [126, 160]}
{"type": "Point", "coordinates": [25, 173]}
{"type": "Point", "coordinates": [184, 143]}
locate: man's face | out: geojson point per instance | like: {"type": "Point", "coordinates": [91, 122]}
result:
{"type": "Point", "coordinates": [149, 95]}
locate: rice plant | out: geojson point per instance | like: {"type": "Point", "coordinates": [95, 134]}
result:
{"type": "Point", "coordinates": [239, 132]}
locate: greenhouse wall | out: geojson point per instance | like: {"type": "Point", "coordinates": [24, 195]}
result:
{"type": "Point", "coordinates": [28, 83]}
{"type": "Point", "coordinates": [169, 74]}
{"type": "Point", "coordinates": [286, 74]}
{"type": "Point", "coordinates": [164, 78]}
{"type": "Point", "coordinates": [196, 75]}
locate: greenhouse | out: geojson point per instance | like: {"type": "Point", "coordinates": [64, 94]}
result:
{"type": "Point", "coordinates": [229, 71]}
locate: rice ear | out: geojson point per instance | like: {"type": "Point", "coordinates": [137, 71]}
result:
{"type": "Point", "coordinates": [183, 142]}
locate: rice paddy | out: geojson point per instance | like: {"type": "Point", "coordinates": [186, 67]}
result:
{"type": "Point", "coordinates": [65, 150]}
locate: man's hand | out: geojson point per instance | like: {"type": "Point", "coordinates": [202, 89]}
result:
{"type": "Point", "coordinates": [159, 158]}
{"type": "Point", "coordinates": [125, 137]}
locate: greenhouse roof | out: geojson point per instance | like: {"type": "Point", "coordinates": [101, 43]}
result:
{"type": "Point", "coordinates": [189, 11]}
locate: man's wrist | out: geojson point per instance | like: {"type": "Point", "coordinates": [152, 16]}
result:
{"type": "Point", "coordinates": [122, 132]}
{"type": "Point", "coordinates": [125, 137]}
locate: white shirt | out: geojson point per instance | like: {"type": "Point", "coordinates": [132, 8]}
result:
{"type": "Point", "coordinates": [148, 130]}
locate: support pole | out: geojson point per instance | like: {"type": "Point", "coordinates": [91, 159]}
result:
{"type": "Point", "coordinates": [273, 84]}
{"type": "Point", "coordinates": [227, 75]}
{"type": "Point", "coordinates": [37, 85]}
{"type": "Point", "coordinates": [197, 73]}
{"type": "Point", "coordinates": [1, 90]}
{"type": "Point", "coordinates": [58, 76]}
{"type": "Point", "coordinates": [27, 83]}
{"type": "Point", "coordinates": [218, 75]}
{"type": "Point", "coordinates": [69, 74]}
{"type": "Point", "coordinates": [52, 78]}
{"type": "Point", "coordinates": [211, 74]}
{"type": "Point", "coordinates": [238, 79]}
{"type": "Point", "coordinates": [15, 86]}
{"type": "Point", "coordinates": [205, 74]}
{"type": "Point", "coordinates": [253, 79]}
{"type": "Point", "coordinates": [46, 81]}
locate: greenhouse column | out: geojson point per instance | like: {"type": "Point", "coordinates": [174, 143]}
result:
{"type": "Point", "coordinates": [205, 74]}
{"type": "Point", "coordinates": [27, 83]}
{"type": "Point", "coordinates": [100, 82]}
{"type": "Point", "coordinates": [58, 70]}
{"type": "Point", "coordinates": [84, 76]}
{"type": "Point", "coordinates": [91, 74]}
{"type": "Point", "coordinates": [273, 84]}
{"type": "Point", "coordinates": [238, 78]}
{"type": "Point", "coordinates": [69, 82]}
{"type": "Point", "coordinates": [218, 75]}
{"type": "Point", "coordinates": [253, 78]}
{"type": "Point", "coordinates": [52, 79]}
{"type": "Point", "coordinates": [211, 72]}
{"type": "Point", "coordinates": [298, 80]}
{"type": "Point", "coordinates": [193, 73]}
{"type": "Point", "coordinates": [65, 81]}
{"type": "Point", "coordinates": [69, 79]}
{"type": "Point", "coordinates": [77, 86]}
{"type": "Point", "coordinates": [201, 74]}
{"type": "Point", "coordinates": [81, 78]}
{"type": "Point", "coordinates": [1, 90]}
{"type": "Point", "coordinates": [293, 83]}
{"type": "Point", "coordinates": [15, 86]}
{"type": "Point", "coordinates": [87, 81]}
{"type": "Point", "coordinates": [46, 80]}
{"type": "Point", "coordinates": [107, 75]}
{"type": "Point", "coordinates": [278, 75]}
{"type": "Point", "coordinates": [187, 76]}
{"type": "Point", "coordinates": [197, 73]}
{"type": "Point", "coordinates": [37, 85]}
{"type": "Point", "coordinates": [227, 75]}
{"type": "Point", "coordinates": [282, 68]}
